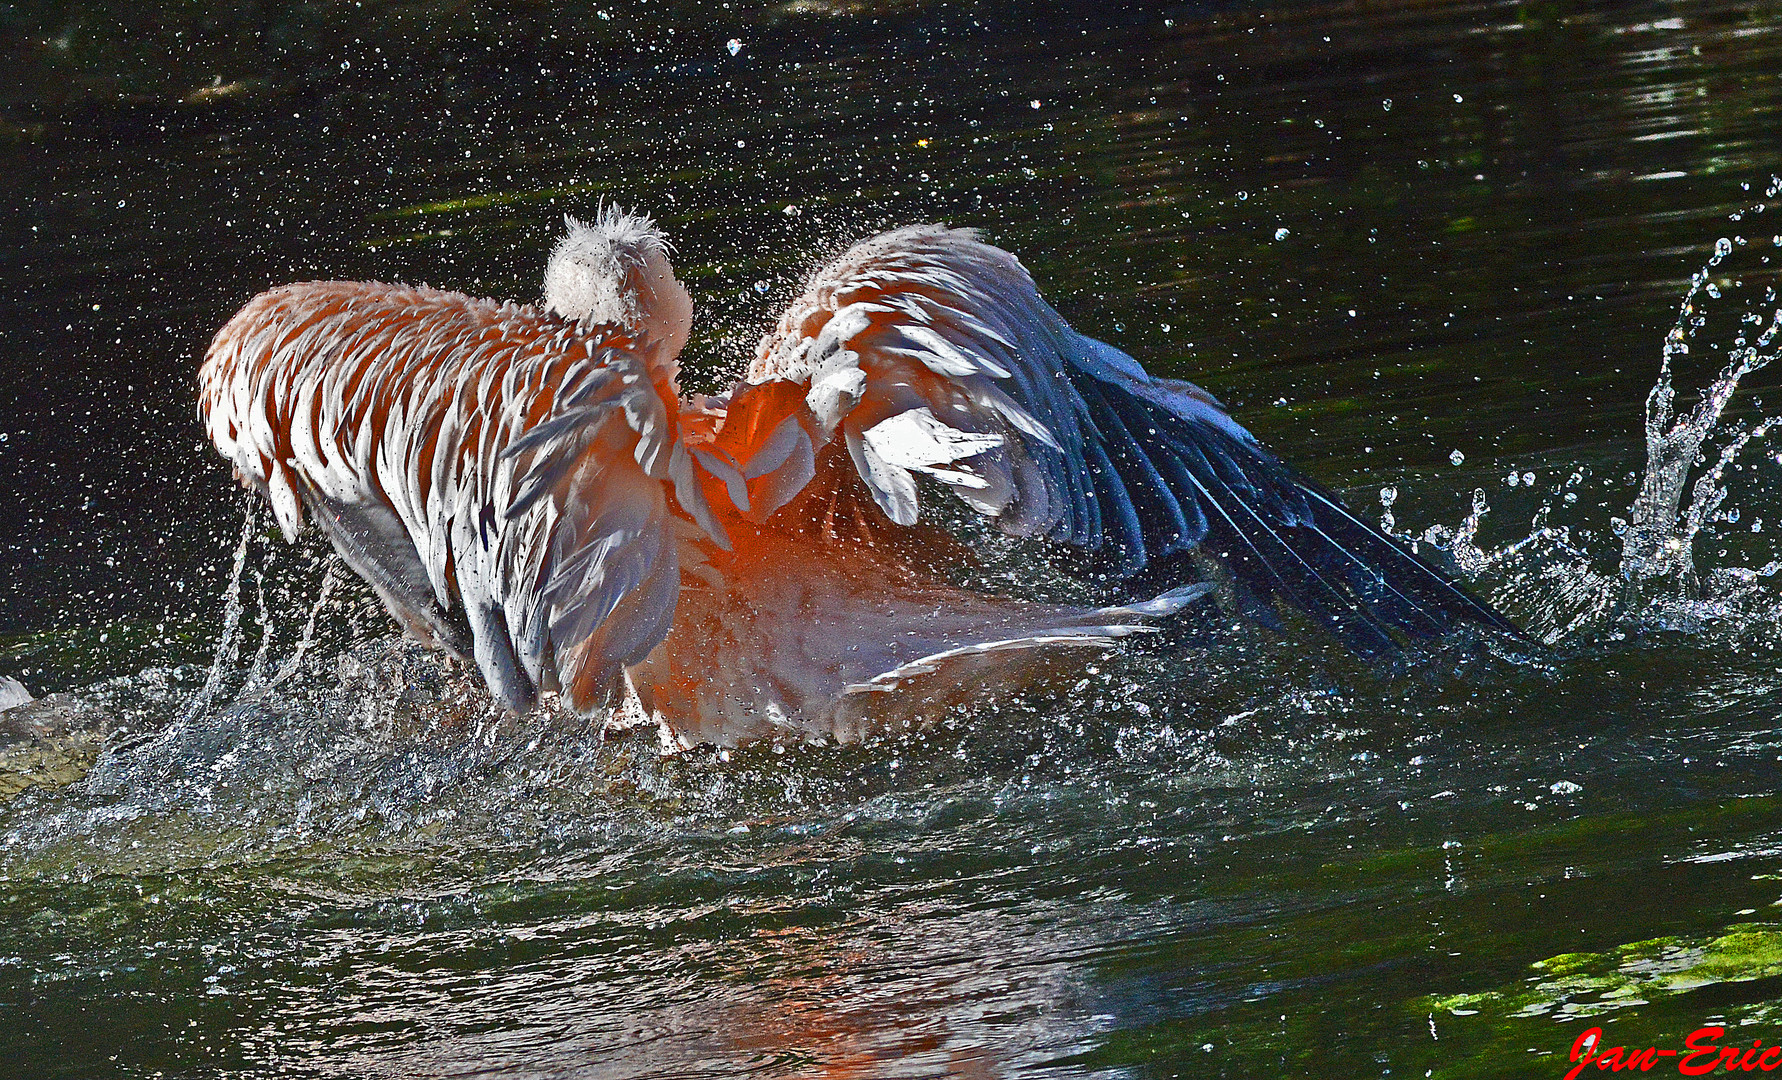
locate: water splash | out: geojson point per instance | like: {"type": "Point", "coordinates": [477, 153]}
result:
{"type": "Point", "coordinates": [1658, 544]}
{"type": "Point", "coordinates": [323, 595]}
{"type": "Point", "coordinates": [228, 649]}
{"type": "Point", "coordinates": [1565, 584]}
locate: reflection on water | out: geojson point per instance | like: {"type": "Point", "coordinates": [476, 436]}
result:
{"type": "Point", "coordinates": [1432, 251]}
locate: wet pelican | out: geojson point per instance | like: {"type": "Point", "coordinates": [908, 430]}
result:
{"type": "Point", "coordinates": [527, 487]}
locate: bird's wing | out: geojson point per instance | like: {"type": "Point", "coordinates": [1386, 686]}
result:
{"type": "Point", "coordinates": [500, 476]}
{"type": "Point", "coordinates": [925, 352]}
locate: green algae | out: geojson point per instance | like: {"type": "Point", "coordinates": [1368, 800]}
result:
{"type": "Point", "coordinates": [1746, 954]}
{"type": "Point", "coordinates": [1584, 984]}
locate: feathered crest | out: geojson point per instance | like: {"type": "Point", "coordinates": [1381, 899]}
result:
{"type": "Point", "coordinates": [593, 273]}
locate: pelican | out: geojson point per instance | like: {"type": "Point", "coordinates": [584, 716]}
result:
{"type": "Point", "coordinates": [527, 488]}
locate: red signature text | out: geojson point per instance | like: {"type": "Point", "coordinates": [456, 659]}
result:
{"type": "Point", "coordinates": [1701, 1055]}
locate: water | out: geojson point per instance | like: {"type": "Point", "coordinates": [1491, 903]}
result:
{"type": "Point", "coordinates": [307, 849]}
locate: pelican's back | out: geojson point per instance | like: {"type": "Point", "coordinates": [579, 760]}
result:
{"type": "Point", "coordinates": [495, 472]}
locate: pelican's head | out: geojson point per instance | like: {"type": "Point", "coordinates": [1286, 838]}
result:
{"type": "Point", "coordinates": [615, 270]}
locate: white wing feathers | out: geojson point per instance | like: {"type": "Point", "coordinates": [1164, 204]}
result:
{"type": "Point", "coordinates": [927, 318]}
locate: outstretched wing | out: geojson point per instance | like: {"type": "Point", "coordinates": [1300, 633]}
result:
{"type": "Point", "coordinates": [500, 476]}
{"type": "Point", "coordinates": [924, 351]}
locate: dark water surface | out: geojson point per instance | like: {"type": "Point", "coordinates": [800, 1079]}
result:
{"type": "Point", "coordinates": [1421, 246]}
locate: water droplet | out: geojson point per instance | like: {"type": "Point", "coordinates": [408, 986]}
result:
{"type": "Point", "coordinates": [1512, 479]}
{"type": "Point", "coordinates": [1722, 248]}
{"type": "Point", "coordinates": [1164, 327]}
{"type": "Point", "coordinates": [1386, 104]}
{"type": "Point", "coordinates": [1457, 457]}
{"type": "Point", "coordinates": [734, 46]}
{"type": "Point", "coordinates": [1242, 195]}
{"type": "Point", "coordinates": [1034, 104]}
{"type": "Point", "coordinates": [1528, 479]}
{"type": "Point", "coordinates": [1388, 496]}
{"type": "Point", "coordinates": [1713, 290]}
{"type": "Point", "coordinates": [1458, 99]}
{"type": "Point", "coordinates": [762, 287]}
{"type": "Point", "coordinates": [1280, 234]}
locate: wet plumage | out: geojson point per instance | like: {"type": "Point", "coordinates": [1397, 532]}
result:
{"type": "Point", "coordinates": [529, 489]}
